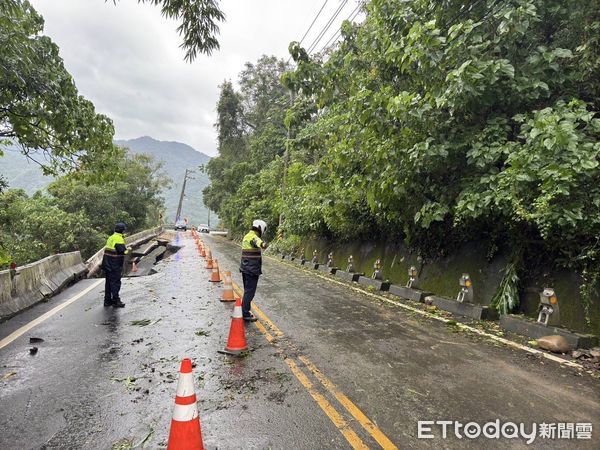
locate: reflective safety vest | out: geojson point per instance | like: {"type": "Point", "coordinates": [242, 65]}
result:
{"type": "Point", "coordinates": [115, 245]}
{"type": "Point", "coordinates": [252, 246]}
{"type": "Point", "coordinates": [114, 253]}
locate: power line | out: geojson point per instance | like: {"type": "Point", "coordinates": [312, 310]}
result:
{"type": "Point", "coordinates": [311, 25]}
{"type": "Point", "coordinates": [314, 20]}
{"type": "Point", "coordinates": [327, 26]}
{"type": "Point", "coordinates": [338, 33]}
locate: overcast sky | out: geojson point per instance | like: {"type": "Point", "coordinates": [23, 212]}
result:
{"type": "Point", "coordinates": [126, 58]}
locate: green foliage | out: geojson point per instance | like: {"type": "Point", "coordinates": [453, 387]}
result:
{"type": "Point", "coordinates": [291, 244]}
{"type": "Point", "coordinates": [436, 123]}
{"type": "Point", "coordinates": [251, 138]}
{"type": "Point", "coordinates": [33, 228]}
{"type": "Point", "coordinates": [230, 123]}
{"type": "Point", "coordinates": [506, 298]}
{"type": "Point", "coordinates": [132, 195]}
{"type": "Point", "coordinates": [42, 112]}
{"type": "Point", "coordinates": [39, 103]}
{"type": "Point", "coordinates": [80, 210]}
{"type": "Point", "coordinates": [198, 26]}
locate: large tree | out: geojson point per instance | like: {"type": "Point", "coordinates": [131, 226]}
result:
{"type": "Point", "coordinates": [80, 209]}
{"type": "Point", "coordinates": [441, 122]}
{"type": "Point", "coordinates": [40, 107]}
{"type": "Point", "coordinates": [251, 135]}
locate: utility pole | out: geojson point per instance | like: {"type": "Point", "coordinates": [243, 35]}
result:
{"type": "Point", "coordinates": [185, 178]}
{"type": "Point", "coordinates": [286, 161]}
{"type": "Point", "coordinates": [208, 218]}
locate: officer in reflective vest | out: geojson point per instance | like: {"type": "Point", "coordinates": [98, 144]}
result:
{"type": "Point", "coordinates": [251, 265]}
{"type": "Point", "coordinates": [112, 264]}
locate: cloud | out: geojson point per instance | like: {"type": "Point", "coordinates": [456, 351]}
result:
{"type": "Point", "coordinates": [126, 59]}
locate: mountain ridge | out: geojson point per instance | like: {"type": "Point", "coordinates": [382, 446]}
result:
{"type": "Point", "coordinates": [175, 157]}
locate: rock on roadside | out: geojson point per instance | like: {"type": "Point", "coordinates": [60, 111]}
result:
{"type": "Point", "coordinates": [555, 343]}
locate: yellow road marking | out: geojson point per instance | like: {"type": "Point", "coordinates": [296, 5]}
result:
{"type": "Point", "coordinates": [323, 403]}
{"type": "Point", "coordinates": [259, 312]}
{"type": "Point", "coordinates": [442, 319]}
{"type": "Point", "coordinates": [264, 317]}
{"type": "Point", "coordinates": [264, 331]}
{"type": "Point", "coordinates": [25, 328]}
{"type": "Point", "coordinates": [331, 412]}
{"type": "Point", "coordinates": [362, 419]}
{"type": "Point", "coordinates": [373, 430]}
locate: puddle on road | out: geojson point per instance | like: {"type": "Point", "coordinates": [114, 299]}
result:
{"type": "Point", "coordinates": [109, 349]}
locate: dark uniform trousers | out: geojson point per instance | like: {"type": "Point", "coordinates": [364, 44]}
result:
{"type": "Point", "coordinates": [112, 286]}
{"type": "Point", "coordinates": [250, 283]}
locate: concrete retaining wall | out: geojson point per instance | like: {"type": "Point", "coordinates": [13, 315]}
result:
{"type": "Point", "coordinates": [34, 282]}
{"type": "Point", "coordinates": [441, 275]}
{"type": "Point", "coordinates": [94, 262]}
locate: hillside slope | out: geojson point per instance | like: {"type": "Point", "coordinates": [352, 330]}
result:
{"type": "Point", "coordinates": [177, 157]}
{"type": "Point", "coordinates": [20, 172]}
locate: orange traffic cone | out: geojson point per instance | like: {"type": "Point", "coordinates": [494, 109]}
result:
{"type": "Point", "coordinates": [227, 288]}
{"type": "Point", "coordinates": [236, 343]}
{"type": "Point", "coordinates": [203, 252]}
{"type": "Point", "coordinates": [209, 260]}
{"type": "Point", "coordinates": [215, 275]}
{"type": "Point", "coordinates": [185, 431]}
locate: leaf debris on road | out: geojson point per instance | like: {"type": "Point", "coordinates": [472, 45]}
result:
{"type": "Point", "coordinates": [8, 375]}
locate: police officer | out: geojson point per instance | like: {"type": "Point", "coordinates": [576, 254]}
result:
{"type": "Point", "coordinates": [251, 265]}
{"type": "Point", "coordinates": [112, 264]}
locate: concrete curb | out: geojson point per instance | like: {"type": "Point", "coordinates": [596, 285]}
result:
{"type": "Point", "coordinates": [377, 284]}
{"type": "Point", "coordinates": [536, 330]}
{"type": "Point", "coordinates": [325, 268]}
{"type": "Point", "coordinates": [41, 279]}
{"type": "Point", "coordinates": [354, 276]}
{"type": "Point", "coordinates": [465, 327]}
{"type": "Point", "coordinates": [415, 295]}
{"type": "Point", "coordinates": [477, 312]}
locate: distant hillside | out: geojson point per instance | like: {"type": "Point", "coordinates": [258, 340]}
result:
{"type": "Point", "coordinates": [21, 172]}
{"type": "Point", "coordinates": [177, 157]}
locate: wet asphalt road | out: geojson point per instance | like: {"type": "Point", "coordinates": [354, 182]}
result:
{"type": "Point", "coordinates": [99, 381]}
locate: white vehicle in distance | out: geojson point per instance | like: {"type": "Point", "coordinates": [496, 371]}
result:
{"type": "Point", "coordinates": [203, 228]}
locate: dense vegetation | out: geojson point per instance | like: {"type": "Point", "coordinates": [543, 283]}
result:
{"type": "Point", "coordinates": [42, 112]}
{"type": "Point", "coordinates": [251, 140]}
{"type": "Point", "coordinates": [40, 107]}
{"type": "Point", "coordinates": [78, 212]}
{"type": "Point", "coordinates": [434, 122]}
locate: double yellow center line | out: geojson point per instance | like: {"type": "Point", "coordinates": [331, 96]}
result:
{"type": "Point", "coordinates": [334, 415]}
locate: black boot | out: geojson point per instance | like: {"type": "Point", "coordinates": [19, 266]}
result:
{"type": "Point", "coordinates": [119, 304]}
